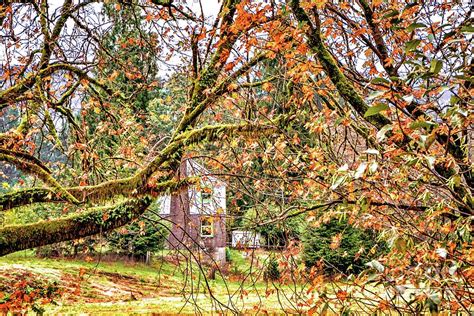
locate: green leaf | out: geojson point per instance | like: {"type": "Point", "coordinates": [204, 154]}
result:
{"type": "Point", "coordinates": [453, 100]}
{"type": "Point", "coordinates": [452, 269]}
{"type": "Point", "coordinates": [412, 45]}
{"type": "Point", "coordinates": [380, 80]}
{"type": "Point", "coordinates": [373, 166]}
{"type": "Point", "coordinates": [338, 181]}
{"type": "Point", "coordinates": [468, 29]}
{"type": "Point", "coordinates": [360, 170]}
{"type": "Point", "coordinates": [431, 161]}
{"type": "Point", "coordinates": [408, 98]}
{"type": "Point", "coordinates": [435, 298]}
{"type": "Point", "coordinates": [414, 26]}
{"type": "Point", "coordinates": [421, 124]}
{"type": "Point", "coordinates": [391, 14]}
{"type": "Point", "coordinates": [376, 109]}
{"type": "Point", "coordinates": [435, 66]}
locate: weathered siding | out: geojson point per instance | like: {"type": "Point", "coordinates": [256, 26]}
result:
{"type": "Point", "coordinates": [186, 210]}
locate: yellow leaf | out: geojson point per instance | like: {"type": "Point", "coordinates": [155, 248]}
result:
{"type": "Point", "coordinates": [164, 117]}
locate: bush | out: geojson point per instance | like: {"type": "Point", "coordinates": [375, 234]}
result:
{"type": "Point", "coordinates": [272, 272]}
{"type": "Point", "coordinates": [276, 234]}
{"type": "Point", "coordinates": [343, 255]}
{"type": "Point", "coordinates": [72, 248]}
{"type": "Point", "coordinates": [136, 239]}
{"type": "Point", "coordinates": [22, 291]}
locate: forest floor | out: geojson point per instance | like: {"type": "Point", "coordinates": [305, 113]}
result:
{"type": "Point", "coordinates": [90, 287]}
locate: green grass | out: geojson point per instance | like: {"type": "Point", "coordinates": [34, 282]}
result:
{"type": "Point", "coordinates": [137, 270]}
{"type": "Point", "coordinates": [163, 285]}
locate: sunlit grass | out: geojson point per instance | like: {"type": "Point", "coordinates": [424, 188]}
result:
{"type": "Point", "coordinates": [168, 288]}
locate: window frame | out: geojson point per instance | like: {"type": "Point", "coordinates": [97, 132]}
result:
{"type": "Point", "coordinates": [208, 200]}
{"type": "Point", "coordinates": [209, 225]}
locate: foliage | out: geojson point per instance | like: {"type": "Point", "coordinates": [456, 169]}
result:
{"type": "Point", "coordinates": [138, 238]}
{"type": "Point", "coordinates": [342, 247]}
{"type": "Point", "coordinates": [271, 272]}
{"type": "Point", "coordinates": [302, 107]}
{"type": "Point", "coordinates": [24, 291]}
{"type": "Point", "coordinates": [274, 234]}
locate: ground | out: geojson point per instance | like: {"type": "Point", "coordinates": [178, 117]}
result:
{"type": "Point", "coordinates": [120, 288]}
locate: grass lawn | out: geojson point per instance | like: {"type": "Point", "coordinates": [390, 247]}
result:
{"type": "Point", "coordinates": [121, 288]}
{"type": "Point", "coordinates": [164, 287]}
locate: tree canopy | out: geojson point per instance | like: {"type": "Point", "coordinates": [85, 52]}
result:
{"type": "Point", "coordinates": [324, 109]}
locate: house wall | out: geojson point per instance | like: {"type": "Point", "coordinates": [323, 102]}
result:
{"type": "Point", "coordinates": [186, 210]}
{"type": "Point", "coordinates": [218, 201]}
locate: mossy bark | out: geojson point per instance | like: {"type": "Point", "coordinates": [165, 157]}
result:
{"type": "Point", "coordinates": [28, 196]}
{"type": "Point", "coordinates": [344, 87]}
{"type": "Point", "coordinates": [91, 222]}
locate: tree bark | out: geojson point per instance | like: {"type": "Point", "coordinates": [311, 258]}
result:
{"type": "Point", "coordinates": [92, 222]}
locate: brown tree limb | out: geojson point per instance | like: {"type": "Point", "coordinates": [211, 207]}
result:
{"type": "Point", "coordinates": [91, 222]}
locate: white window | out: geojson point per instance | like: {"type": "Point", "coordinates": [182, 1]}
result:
{"type": "Point", "coordinates": [206, 197]}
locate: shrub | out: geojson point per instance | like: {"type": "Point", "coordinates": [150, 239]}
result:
{"type": "Point", "coordinates": [276, 234]}
{"type": "Point", "coordinates": [343, 247]}
{"type": "Point", "coordinates": [69, 248]}
{"type": "Point", "coordinates": [136, 239]}
{"type": "Point", "coordinates": [272, 272]}
{"type": "Point", "coordinates": [22, 291]}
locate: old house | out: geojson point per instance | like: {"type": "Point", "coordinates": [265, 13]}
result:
{"type": "Point", "coordinates": [197, 213]}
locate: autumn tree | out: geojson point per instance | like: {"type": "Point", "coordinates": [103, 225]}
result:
{"type": "Point", "coordinates": [367, 116]}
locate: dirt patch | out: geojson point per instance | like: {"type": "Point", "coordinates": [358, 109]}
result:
{"type": "Point", "coordinates": [87, 285]}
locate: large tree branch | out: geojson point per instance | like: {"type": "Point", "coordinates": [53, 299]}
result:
{"type": "Point", "coordinates": [91, 222]}
{"type": "Point", "coordinates": [139, 183]}
{"type": "Point", "coordinates": [33, 168]}
{"type": "Point", "coordinates": [209, 133]}
{"type": "Point", "coordinates": [87, 193]}
{"type": "Point", "coordinates": [197, 106]}
{"type": "Point", "coordinates": [345, 88]}
{"type": "Point", "coordinates": [17, 91]}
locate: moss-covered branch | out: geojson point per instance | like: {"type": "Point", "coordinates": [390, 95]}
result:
{"type": "Point", "coordinates": [17, 91]}
{"type": "Point", "coordinates": [208, 133]}
{"type": "Point", "coordinates": [139, 183]}
{"type": "Point", "coordinates": [88, 223]}
{"type": "Point", "coordinates": [88, 194]}
{"type": "Point", "coordinates": [30, 167]}
{"type": "Point", "coordinates": [28, 196]}
{"type": "Point", "coordinates": [344, 87]}
{"type": "Point", "coordinates": [199, 104]}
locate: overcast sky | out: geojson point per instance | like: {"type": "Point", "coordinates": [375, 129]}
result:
{"type": "Point", "coordinates": [209, 7]}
